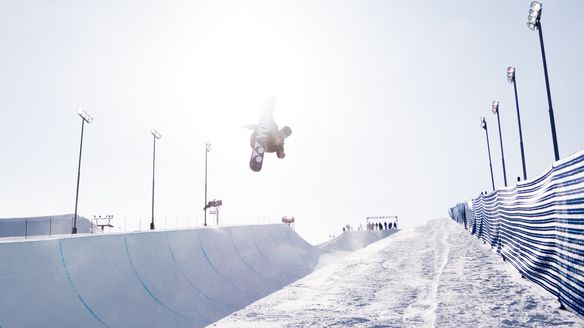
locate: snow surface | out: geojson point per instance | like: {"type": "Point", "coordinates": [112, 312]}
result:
{"type": "Point", "coordinates": [187, 278]}
{"type": "Point", "coordinates": [354, 240]}
{"type": "Point", "coordinates": [436, 275]}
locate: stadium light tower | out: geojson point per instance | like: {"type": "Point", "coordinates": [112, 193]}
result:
{"type": "Point", "coordinates": [533, 22]}
{"type": "Point", "coordinates": [85, 118]}
{"type": "Point", "coordinates": [484, 126]}
{"type": "Point", "coordinates": [511, 78]}
{"type": "Point", "coordinates": [495, 109]}
{"type": "Point", "coordinates": [156, 136]}
{"type": "Point", "coordinates": [207, 150]}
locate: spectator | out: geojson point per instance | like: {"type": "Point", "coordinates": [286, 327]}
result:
{"type": "Point", "coordinates": [385, 225]}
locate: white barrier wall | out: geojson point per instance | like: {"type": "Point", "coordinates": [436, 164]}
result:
{"type": "Point", "coordinates": [537, 226]}
{"type": "Point", "coordinates": [44, 226]}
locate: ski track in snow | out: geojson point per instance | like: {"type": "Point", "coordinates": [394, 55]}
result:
{"type": "Point", "coordinates": [437, 275]}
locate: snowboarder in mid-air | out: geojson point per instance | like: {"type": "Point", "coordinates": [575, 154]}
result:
{"type": "Point", "coordinates": [266, 137]}
{"type": "Point", "coordinates": [275, 140]}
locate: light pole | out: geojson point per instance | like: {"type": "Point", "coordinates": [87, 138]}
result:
{"type": "Point", "coordinates": [85, 118]}
{"type": "Point", "coordinates": [484, 126]}
{"type": "Point", "coordinates": [511, 78]}
{"type": "Point", "coordinates": [207, 150]}
{"type": "Point", "coordinates": [156, 136]}
{"type": "Point", "coordinates": [533, 22]}
{"type": "Point", "coordinates": [495, 109]}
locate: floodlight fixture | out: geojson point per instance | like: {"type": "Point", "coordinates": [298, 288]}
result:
{"type": "Point", "coordinates": [484, 126]}
{"type": "Point", "coordinates": [495, 107]}
{"type": "Point", "coordinates": [207, 150]}
{"type": "Point", "coordinates": [156, 134]}
{"type": "Point", "coordinates": [534, 15]}
{"type": "Point", "coordinates": [533, 22]}
{"type": "Point", "coordinates": [86, 117]}
{"type": "Point", "coordinates": [511, 78]}
{"type": "Point", "coordinates": [510, 74]}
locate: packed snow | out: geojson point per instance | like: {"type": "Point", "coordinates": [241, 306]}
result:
{"type": "Point", "coordinates": [187, 278]}
{"type": "Point", "coordinates": [436, 275]}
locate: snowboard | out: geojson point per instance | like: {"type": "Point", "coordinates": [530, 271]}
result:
{"type": "Point", "coordinates": [262, 131]}
{"type": "Point", "coordinates": [257, 155]}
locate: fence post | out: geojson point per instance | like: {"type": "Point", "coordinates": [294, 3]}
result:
{"type": "Point", "coordinates": [50, 226]}
{"type": "Point", "coordinates": [25, 229]}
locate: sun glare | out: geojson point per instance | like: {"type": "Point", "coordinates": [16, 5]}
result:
{"type": "Point", "coordinates": [244, 61]}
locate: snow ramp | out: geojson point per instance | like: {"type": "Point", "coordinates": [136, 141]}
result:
{"type": "Point", "coordinates": [353, 240]}
{"type": "Point", "coordinates": [187, 278]}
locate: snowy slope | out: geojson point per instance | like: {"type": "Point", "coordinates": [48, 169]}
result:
{"type": "Point", "coordinates": [436, 275]}
{"type": "Point", "coordinates": [354, 240]}
{"type": "Point", "coordinates": [187, 278]}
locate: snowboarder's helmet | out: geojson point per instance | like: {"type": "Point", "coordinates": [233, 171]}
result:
{"type": "Point", "coordinates": [286, 131]}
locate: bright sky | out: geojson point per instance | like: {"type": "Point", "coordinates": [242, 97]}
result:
{"type": "Point", "coordinates": [383, 97]}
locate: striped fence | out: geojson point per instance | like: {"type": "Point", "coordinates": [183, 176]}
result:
{"type": "Point", "coordinates": [538, 227]}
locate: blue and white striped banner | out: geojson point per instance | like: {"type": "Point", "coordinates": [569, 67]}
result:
{"type": "Point", "coordinates": [538, 226]}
